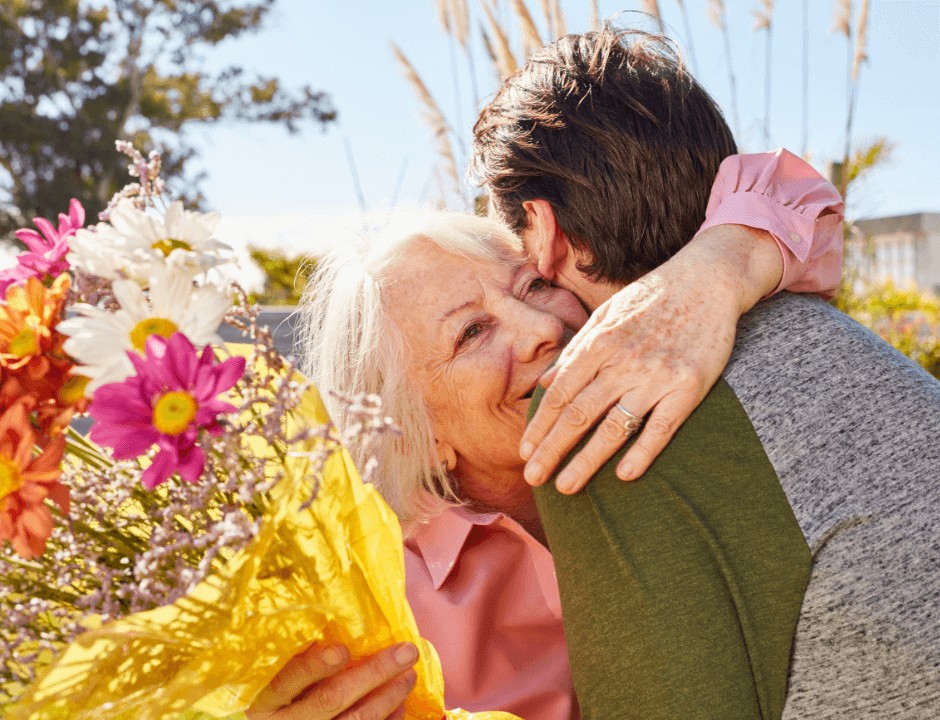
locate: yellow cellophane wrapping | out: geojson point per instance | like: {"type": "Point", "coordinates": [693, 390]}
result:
{"type": "Point", "coordinates": [333, 572]}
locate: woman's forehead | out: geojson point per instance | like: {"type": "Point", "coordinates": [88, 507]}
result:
{"type": "Point", "coordinates": [426, 254]}
{"type": "Point", "coordinates": [434, 283]}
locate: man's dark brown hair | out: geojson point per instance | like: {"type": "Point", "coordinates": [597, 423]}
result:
{"type": "Point", "coordinates": [611, 130]}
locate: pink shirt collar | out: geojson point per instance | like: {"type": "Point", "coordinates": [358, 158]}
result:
{"type": "Point", "coordinates": [440, 540]}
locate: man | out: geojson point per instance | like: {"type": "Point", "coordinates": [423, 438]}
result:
{"type": "Point", "coordinates": [604, 135]}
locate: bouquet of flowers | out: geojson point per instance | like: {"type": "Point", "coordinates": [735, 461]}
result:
{"type": "Point", "coordinates": [209, 525]}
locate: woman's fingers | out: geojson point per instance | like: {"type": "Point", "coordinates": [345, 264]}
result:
{"type": "Point", "coordinates": [317, 685]}
{"type": "Point", "coordinates": [668, 414]}
{"type": "Point", "coordinates": [384, 701]}
{"type": "Point", "coordinates": [662, 424]}
{"type": "Point", "coordinates": [608, 437]}
{"type": "Point", "coordinates": [384, 675]}
{"type": "Point", "coordinates": [571, 424]}
{"type": "Point", "coordinates": [303, 670]}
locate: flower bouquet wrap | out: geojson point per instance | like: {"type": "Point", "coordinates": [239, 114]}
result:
{"type": "Point", "coordinates": [210, 525]}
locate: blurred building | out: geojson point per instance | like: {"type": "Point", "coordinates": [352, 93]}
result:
{"type": "Point", "coordinates": [902, 249]}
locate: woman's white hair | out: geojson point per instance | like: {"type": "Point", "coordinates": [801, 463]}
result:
{"type": "Point", "coordinates": [348, 345]}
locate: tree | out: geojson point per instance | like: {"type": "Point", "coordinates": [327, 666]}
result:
{"type": "Point", "coordinates": [285, 276]}
{"type": "Point", "coordinates": [76, 75]}
{"type": "Point", "coordinates": [904, 317]}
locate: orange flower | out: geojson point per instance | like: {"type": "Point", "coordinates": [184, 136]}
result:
{"type": "Point", "coordinates": [26, 482]}
{"type": "Point", "coordinates": [33, 362]}
{"type": "Point", "coordinates": [28, 341]}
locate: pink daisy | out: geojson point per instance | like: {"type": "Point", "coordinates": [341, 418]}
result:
{"type": "Point", "coordinates": [171, 399]}
{"type": "Point", "coordinates": [46, 250]}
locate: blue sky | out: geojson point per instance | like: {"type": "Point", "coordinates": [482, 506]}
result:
{"type": "Point", "coordinates": [273, 187]}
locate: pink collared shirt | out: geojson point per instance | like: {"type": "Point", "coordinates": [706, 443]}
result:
{"type": "Point", "coordinates": [482, 589]}
{"type": "Point", "coordinates": [484, 593]}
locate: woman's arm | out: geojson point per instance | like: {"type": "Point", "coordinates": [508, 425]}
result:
{"type": "Point", "coordinates": [660, 344]}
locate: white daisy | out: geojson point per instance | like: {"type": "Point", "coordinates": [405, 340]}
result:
{"type": "Point", "coordinates": [135, 241]}
{"type": "Point", "coordinates": [101, 251]}
{"type": "Point", "coordinates": [100, 340]}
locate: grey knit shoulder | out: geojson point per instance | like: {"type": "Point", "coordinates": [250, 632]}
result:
{"type": "Point", "coordinates": [852, 429]}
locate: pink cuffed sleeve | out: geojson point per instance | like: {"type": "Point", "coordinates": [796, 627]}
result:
{"type": "Point", "coordinates": [780, 193]}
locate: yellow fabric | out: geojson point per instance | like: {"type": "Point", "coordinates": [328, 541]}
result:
{"type": "Point", "coordinates": [333, 572]}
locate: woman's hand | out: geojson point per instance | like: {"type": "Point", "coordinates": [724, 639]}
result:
{"type": "Point", "coordinates": [655, 348]}
{"type": "Point", "coordinates": [318, 685]}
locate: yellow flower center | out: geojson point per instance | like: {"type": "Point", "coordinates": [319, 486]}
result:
{"type": "Point", "coordinates": [73, 389]}
{"type": "Point", "coordinates": [168, 245]}
{"type": "Point", "coordinates": [151, 326]}
{"type": "Point", "coordinates": [10, 480]}
{"type": "Point", "coordinates": [174, 412]}
{"type": "Point", "coordinates": [24, 343]}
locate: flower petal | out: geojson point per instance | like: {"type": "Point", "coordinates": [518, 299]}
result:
{"type": "Point", "coordinates": [76, 213]}
{"type": "Point", "coordinates": [192, 461]}
{"type": "Point", "coordinates": [159, 472]}
{"type": "Point", "coordinates": [47, 229]}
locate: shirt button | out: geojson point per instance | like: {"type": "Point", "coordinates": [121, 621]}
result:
{"type": "Point", "coordinates": [795, 238]}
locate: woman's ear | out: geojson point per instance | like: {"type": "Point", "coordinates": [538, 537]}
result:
{"type": "Point", "coordinates": [544, 241]}
{"type": "Point", "coordinates": [446, 455]}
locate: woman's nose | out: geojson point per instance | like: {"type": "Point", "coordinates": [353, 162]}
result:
{"type": "Point", "coordinates": [536, 332]}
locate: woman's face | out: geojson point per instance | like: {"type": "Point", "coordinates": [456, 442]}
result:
{"type": "Point", "coordinates": [479, 337]}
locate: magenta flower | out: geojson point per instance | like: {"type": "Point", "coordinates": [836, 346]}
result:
{"type": "Point", "coordinates": [46, 250]}
{"type": "Point", "coordinates": [171, 399]}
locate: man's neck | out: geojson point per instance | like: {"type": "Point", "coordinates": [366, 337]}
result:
{"type": "Point", "coordinates": [593, 294]}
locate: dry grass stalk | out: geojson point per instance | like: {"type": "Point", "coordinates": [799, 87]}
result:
{"type": "Point", "coordinates": [549, 20]}
{"type": "Point", "coordinates": [531, 40]}
{"type": "Point", "coordinates": [651, 7]}
{"type": "Point", "coordinates": [558, 19]}
{"type": "Point", "coordinates": [861, 41]}
{"type": "Point", "coordinates": [596, 15]}
{"type": "Point", "coordinates": [505, 61]}
{"type": "Point", "coordinates": [490, 53]}
{"type": "Point", "coordinates": [460, 20]}
{"type": "Point", "coordinates": [688, 34]}
{"type": "Point", "coordinates": [432, 115]}
{"type": "Point", "coordinates": [488, 46]}
{"type": "Point", "coordinates": [764, 15]}
{"type": "Point", "coordinates": [716, 13]}
{"type": "Point", "coordinates": [843, 19]}
{"type": "Point", "coordinates": [443, 14]}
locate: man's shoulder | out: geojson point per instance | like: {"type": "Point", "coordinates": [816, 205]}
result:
{"type": "Point", "coordinates": [804, 339]}
{"type": "Point", "coordinates": [827, 396]}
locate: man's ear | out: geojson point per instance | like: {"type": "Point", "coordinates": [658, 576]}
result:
{"type": "Point", "coordinates": [446, 455]}
{"type": "Point", "coordinates": [544, 239]}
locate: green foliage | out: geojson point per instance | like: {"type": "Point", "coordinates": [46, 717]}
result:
{"type": "Point", "coordinates": [863, 160]}
{"type": "Point", "coordinates": [906, 318]}
{"type": "Point", "coordinates": [77, 75]}
{"type": "Point", "coordinates": [285, 277]}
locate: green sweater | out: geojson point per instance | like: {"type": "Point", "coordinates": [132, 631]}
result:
{"type": "Point", "coordinates": [681, 591]}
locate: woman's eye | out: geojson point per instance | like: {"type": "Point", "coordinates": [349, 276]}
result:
{"type": "Point", "coordinates": [469, 332]}
{"type": "Point", "coordinates": [538, 283]}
